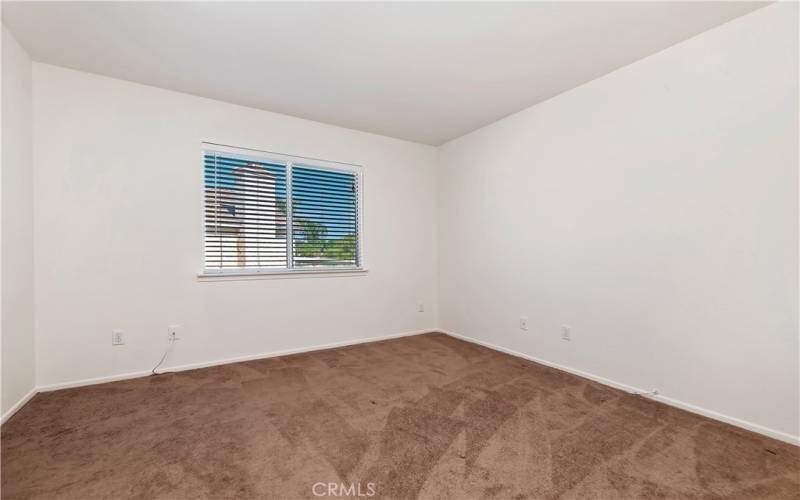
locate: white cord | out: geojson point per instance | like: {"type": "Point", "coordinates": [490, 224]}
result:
{"type": "Point", "coordinates": [654, 392]}
{"type": "Point", "coordinates": [171, 341]}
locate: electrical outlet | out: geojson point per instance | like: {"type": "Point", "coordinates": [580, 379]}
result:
{"type": "Point", "coordinates": [173, 332]}
{"type": "Point", "coordinates": [117, 337]}
{"type": "Point", "coordinates": [566, 332]}
{"type": "Point", "coordinates": [523, 322]}
{"type": "Point", "coordinates": [420, 307]}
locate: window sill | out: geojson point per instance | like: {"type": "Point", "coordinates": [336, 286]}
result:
{"type": "Point", "coordinates": [275, 275]}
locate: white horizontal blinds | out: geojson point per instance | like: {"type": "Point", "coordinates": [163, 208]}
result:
{"type": "Point", "coordinates": [245, 212]}
{"type": "Point", "coordinates": [324, 217]}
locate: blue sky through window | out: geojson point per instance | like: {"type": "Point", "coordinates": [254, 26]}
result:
{"type": "Point", "coordinates": [323, 197]}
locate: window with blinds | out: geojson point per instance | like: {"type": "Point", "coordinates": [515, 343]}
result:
{"type": "Point", "coordinates": [267, 212]}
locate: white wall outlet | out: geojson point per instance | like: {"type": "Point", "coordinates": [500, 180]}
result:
{"type": "Point", "coordinates": [117, 337]}
{"type": "Point", "coordinates": [566, 332]}
{"type": "Point", "coordinates": [173, 332]}
{"type": "Point", "coordinates": [420, 307]}
{"type": "Point", "coordinates": [523, 322]}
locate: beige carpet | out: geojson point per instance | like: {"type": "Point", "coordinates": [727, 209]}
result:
{"type": "Point", "coordinates": [419, 417]}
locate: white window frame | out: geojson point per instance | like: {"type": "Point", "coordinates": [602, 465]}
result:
{"type": "Point", "coordinates": [288, 160]}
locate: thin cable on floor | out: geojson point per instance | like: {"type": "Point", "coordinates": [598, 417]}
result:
{"type": "Point", "coordinates": [654, 392]}
{"type": "Point", "coordinates": [169, 347]}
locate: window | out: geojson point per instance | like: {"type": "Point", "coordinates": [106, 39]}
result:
{"type": "Point", "coordinates": [269, 213]}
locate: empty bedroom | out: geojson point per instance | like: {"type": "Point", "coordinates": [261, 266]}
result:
{"type": "Point", "coordinates": [400, 250]}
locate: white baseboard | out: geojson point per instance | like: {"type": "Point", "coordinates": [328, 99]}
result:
{"type": "Point", "coordinates": [19, 404]}
{"type": "Point", "coordinates": [224, 361]}
{"type": "Point", "coordinates": [760, 429]}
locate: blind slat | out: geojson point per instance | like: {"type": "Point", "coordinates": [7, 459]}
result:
{"type": "Point", "coordinates": [245, 217]}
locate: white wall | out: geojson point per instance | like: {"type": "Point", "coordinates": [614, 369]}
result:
{"type": "Point", "coordinates": [18, 360]}
{"type": "Point", "coordinates": [646, 209]}
{"type": "Point", "coordinates": [118, 183]}
{"type": "Point", "coordinates": [653, 210]}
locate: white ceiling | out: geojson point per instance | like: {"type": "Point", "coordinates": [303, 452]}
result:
{"type": "Point", "coordinates": [426, 72]}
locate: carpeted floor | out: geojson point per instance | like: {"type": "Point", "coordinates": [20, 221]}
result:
{"type": "Point", "coordinates": [418, 417]}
